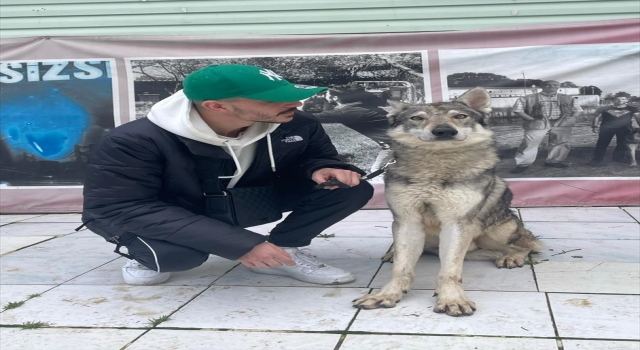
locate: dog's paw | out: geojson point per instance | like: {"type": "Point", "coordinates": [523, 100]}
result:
{"type": "Point", "coordinates": [455, 307]}
{"type": "Point", "coordinates": [377, 300]}
{"type": "Point", "coordinates": [510, 261]}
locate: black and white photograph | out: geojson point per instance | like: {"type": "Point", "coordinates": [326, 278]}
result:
{"type": "Point", "coordinates": [353, 109]}
{"type": "Point", "coordinates": [557, 111]}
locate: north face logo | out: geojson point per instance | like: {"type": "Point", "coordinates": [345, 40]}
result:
{"type": "Point", "coordinates": [290, 139]}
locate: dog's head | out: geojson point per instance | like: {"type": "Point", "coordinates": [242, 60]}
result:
{"type": "Point", "coordinates": [456, 121]}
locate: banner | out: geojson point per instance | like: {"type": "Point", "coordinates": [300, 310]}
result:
{"type": "Point", "coordinates": [58, 99]}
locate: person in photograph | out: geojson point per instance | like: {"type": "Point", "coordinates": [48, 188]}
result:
{"type": "Point", "coordinates": [610, 121]}
{"type": "Point", "coordinates": [144, 189]}
{"type": "Point", "coordinates": [361, 111]}
{"type": "Point", "coordinates": [545, 113]}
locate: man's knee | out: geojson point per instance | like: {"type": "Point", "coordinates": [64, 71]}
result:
{"type": "Point", "coordinates": [163, 256]}
{"type": "Point", "coordinates": [358, 195]}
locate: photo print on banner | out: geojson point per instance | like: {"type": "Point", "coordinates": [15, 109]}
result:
{"type": "Point", "coordinates": [590, 77]}
{"type": "Point", "coordinates": [353, 110]}
{"type": "Point", "coordinates": [52, 112]}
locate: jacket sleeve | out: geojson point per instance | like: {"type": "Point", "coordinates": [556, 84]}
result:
{"type": "Point", "coordinates": [320, 153]}
{"type": "Point", "coordinates": [121, 191]}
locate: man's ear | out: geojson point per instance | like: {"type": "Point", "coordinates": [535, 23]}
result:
{"type": "Point", "coordinates": [213, 105]}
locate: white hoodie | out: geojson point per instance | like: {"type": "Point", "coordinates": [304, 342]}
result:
{"type": "Point", "coordinates": [177, 115]}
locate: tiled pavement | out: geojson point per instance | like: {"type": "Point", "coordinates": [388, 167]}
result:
{"type": "Point", "coordinates": [580, 293]}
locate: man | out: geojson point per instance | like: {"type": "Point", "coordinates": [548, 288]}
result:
{"type": "Point", "coordinates": [546, 112]}
{"type": "Point", "coordinates": [142, 190]}
{"type": "Point", "coordinates": [613, 121]}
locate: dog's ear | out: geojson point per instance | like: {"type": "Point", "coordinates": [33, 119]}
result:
{"type": "Point", "coordinates": [478, 99]}
{"type": "Point", "coordinates": [396, 108]}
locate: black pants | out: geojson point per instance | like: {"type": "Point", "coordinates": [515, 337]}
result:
{"type": "Point", "coordinates": [312, 211]}
{"type": "Point", "coordinates": [604, 139]}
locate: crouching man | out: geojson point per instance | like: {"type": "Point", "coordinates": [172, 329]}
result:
{"type": "Point", "coordinates": [154, 185]}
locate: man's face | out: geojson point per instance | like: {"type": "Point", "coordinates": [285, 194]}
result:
{"type": "Point", "coordinates": [263, 111]}
{"type": "Point", "coordinates": [550, 88]}
{"type": "Point", "coordinates": [620, 101]}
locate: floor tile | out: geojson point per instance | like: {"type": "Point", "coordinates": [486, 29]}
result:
{"type": "Point", "coordinates": [600, 345]}
{"type": "Point", "coordinates": [50, 338]}
{"type": "Point", "coordinates": [349, 247]}
{"type": "Point", "coordinates": [591, 214]}
{"type": "Point", "coordinates": [203, 275]}
{"type": "Point", "coordinates": [26, 229]}
{"type": "Point", "coordinates": [203, 339]}
{"type": "Point", "coordinates": [69, 218]}
{"type": "Point", "coordinates": [359, 229]}
{"type": "Point", "coordinates": [17, 293]}
{"type": "Point", "coordinates": [102, 306]}
{"type": "Point", "coordinates": [85, 244]}
{"type": "Point", "coordinates": [584, 230]}
{"type": "Point", "coordinates": [383, 215]}
{"type": "Point", "coordinates": [7, 219]}
{"type": "Point", "coordinates": [596, 316]}
{"type": "Point", "coordinates": [625, 251]}
{"type": "Point", "coordinates": [422, 342]}
{"type": "Point", "coordinates": [45, 269]}
{"type": "Point", "coordinates": [477, 275]}
{"type": "Point", "coordinates": [588, 277]}
{"type": "Point", "coordinates": [362, 269]}
{"type": "Point", "coordinates": [10, 244]}
{"type": "Point", "coordinates": [633, 211]}
{"type": "Point", "coordinates": [499, 313]}
{"type": "Point", "coordinates": [269, 308]}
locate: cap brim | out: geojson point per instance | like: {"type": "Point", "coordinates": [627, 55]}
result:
{"type": "Point", "coordinates": [287, 93]}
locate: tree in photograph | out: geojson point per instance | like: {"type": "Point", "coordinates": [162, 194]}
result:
{"type": "Point", "coordinates": [590, 90]}
{"type": "Point", "coordinates": [569, 84]}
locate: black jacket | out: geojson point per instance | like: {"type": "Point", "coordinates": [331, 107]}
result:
{"type": "Point", "coordinates": [141, 180]}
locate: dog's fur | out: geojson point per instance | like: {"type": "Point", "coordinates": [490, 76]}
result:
{"type": "Point", "coordinates": [632, 144]}
{"type": "Point", "coordinates": [446, 200]}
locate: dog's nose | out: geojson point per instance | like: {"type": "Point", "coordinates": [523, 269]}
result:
{"type": "Point", "coordinates": [444, 132]}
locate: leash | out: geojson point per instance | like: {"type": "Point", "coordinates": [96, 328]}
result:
{"type": "Point", "coordinates": [335, 182]}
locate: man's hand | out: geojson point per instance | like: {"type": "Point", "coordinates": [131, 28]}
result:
{"type": "Point", "coordinates": [347, 177]}
{"type": "Point", "coordinates": [266, 255]}
{"type": "Point", "coordinates": [595, 129]}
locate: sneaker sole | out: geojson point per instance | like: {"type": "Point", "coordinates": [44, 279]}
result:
{"type": "Point", "coordinates": [135, 281]}
{"type": "Point", "coordinates": [339, 280]}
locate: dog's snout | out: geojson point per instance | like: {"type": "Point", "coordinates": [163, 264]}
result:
{"type": "Point", "coordinates": [444, 132]}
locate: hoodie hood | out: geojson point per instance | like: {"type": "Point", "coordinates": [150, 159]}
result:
{"type": "Point", "coordinates": [178, 115]}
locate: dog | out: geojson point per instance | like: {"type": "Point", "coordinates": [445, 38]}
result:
{"type": "Point", "coordinates": [446, 200]}
{"type": "Point", "coordinates": [632, 144]}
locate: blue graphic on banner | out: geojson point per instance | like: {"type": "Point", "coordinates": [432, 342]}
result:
{"type": "Point", "coordinates": [51, 114]}
{"type": "Point", "coordinates": [46, 125]}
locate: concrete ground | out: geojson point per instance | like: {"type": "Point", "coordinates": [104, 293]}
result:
{"type": "Point", "coordinates": [61, 289]}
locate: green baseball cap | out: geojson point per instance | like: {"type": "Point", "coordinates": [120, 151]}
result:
{"type": "Point", "coordinates": [237, 80]}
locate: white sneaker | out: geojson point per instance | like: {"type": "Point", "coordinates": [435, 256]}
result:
{"type": "Point", "coordinates": [308, 269]}
{"type": "Point", "coordinates": [138, 274]}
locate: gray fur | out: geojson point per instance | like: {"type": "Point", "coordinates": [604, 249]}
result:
{"type": "Point", "coordinates": [445, 197]}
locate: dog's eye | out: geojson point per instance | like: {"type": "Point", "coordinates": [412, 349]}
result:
{"type": "Point", "coordinates": [416, 118]}
{"type": "Point", "coordinates": [460, 116]}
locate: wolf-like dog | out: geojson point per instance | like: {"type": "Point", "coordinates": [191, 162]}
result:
{"type": "Point", "coordinates": [446, 200]}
